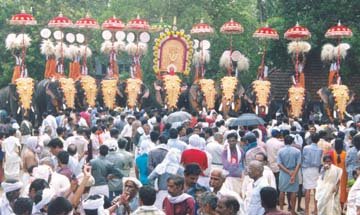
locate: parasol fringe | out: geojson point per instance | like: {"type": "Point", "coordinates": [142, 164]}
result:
{"type": "Point", "coordinates": [243, 64]}
{"type": "Point", "coordinates": [86, 49]}
{"type": "Point", "coordinates": [225, 60]}
{"type": "Point", "coordinates": [47, 48]}
{"type": "Point", "coordinates": [10, 42]}
{"type": "Point", "coordinates": [344, 47]}
{"type": "Point", "coordinates": [327, 52]}
{"type": "Point", "coordinates": [23, 40]}
{"type": "Point", "coordinates": [60, 50]}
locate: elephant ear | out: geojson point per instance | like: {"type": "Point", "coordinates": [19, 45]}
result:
{"type": "Point", "coordinates": [193, 91]}
{"type": "Point", "coordinates": [240, 90]}
{"type": "Point", "coordinates": [324, 95]}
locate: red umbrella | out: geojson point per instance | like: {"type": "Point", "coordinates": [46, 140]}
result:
{"type": "Point", "coordinates": [201, 29]}
{"type": "Point", "coordinates": [266, 33]}
{"type": "Point", "coordinates": [231, 27]}
{"type": "Point", "coordinates": [60, 21]}
{"type": "Point", "coordinates": [338, 31]}
{"type": "Point", "coordinates": [22, 18]}
{"type": "Point", "coordinates": [137, 25]}
{"type": "Point", "coordinates": [87, 22]}
{"type": "Point", "coordinates": [297, 33]}
{"type": "Point", "coordinates": [113, 24]}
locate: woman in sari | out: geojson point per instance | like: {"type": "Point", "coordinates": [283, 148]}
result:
{"type": "Point", "coordinates": [327, 190]}
{"type": "Point", "coordinates": [338, 156]}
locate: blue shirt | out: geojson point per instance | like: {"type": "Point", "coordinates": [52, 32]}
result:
{"type": "Point", "coordinates": [141, 163]}
{"type": "Point", "coordinates": [352, 162]}
{"type": "Point", "coordinates": [289, 157]}
{"type": "Point", "coordinates": [311, 156]}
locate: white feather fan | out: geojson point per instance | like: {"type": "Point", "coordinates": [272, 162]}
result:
{"type": "Point", "coordinates": [298, 46]}
{"type": "Point", "coordinates": [47, 48]}
{"type": "Point", "coordinates": [120, 45]}
{"type": "Point", "coordinates": [201, 57]}
{"type": "Point", "coordinates": [196, 57]}
{"type": "Point", "coordinates": [10, 42]}
{"type": "Point", "coordinates": [106, 47]}
{"type": "Point", "coordinates": [243, 64]}
{"type": "Point", "coordinates": [60, 50]}
{"type": "Point", "coordinates": [72, 51]}
{"type": "Point", "coordinates": [225, 60]}
{"type": "Point", "coordinates": [341, 50]}
{"type": "Point", "coordinates": [85, 50]}
{"type": "Point", "coordinates": [131, 49]}
{"type": "Point", "coordinates": [142, 48]}
{"type": "Point", "coordinates": [23, 40]}
{"type": "Point", "coordinates": [327, 52]}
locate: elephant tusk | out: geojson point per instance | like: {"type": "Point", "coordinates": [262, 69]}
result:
{"type": "Point", "coordinates": [204, 109]}
{"type": "Point", "coordinates": [334, 114]}
{"type": "Point", "coordinates": [348, 115]}
{"type": "Point", "coordinates": [266, 109]}
{"type": "Point", "coordinates": [32, 108]}
{"type": "Point", "coordinates": [220, 107]}
{"type": "Point", "coordinates": [233, 106]}
{"type": "Point", "coordinates": [64, 106]}
{"type": "Point", "coordinates": [257, 109]}
{"type": "Point", "coordinates": [18, 111]}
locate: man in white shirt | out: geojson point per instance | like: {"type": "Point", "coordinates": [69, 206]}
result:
{"type": "Point", "coordinates": [49, 120]}
{"type": "Point", "coordinates": [255, 171]}
{"type": "Point", "coordinates": [127, 130]}
{"type": "Point", "coordinates": [79, 141]}
{"type": "Point", "coordinates": [214, 147]}
{"type": "Point", "coordinates": [12, 162]}
{"type": "Point", "coordinates": [273, 145]}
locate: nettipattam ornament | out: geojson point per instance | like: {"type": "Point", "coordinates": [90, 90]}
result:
{"type": "Point", "coordinates": [296, 99]}
{"type": "Point", "coordinates": [109, 89]}
{"type": "Point", "coordinates": [208, 89]}
{"type": "Point", "coordinates": [68, 88]}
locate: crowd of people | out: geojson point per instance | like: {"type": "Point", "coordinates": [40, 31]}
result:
{"type": "Point", "coordinates": [98, 162]}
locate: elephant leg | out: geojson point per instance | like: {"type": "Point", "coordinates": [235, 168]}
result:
{"type": "Point", "coordinates": [328, 112]}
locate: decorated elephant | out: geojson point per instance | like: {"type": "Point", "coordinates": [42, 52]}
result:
{"type": "Point", "coordinates": [296, 103]}
{"type": "Point", "coordinates": [133, 93]}
{"type": "Point", "coordinates": [16, 105]}
{"type": "Point", "coordinates": [86, 92]}
{"type": "Point", "coordinates": [171, 93]}
{"type": "Point", "coordinates": [231, 96]}
{"type": "Point", "coordinates": [48, 96]}
{"type": "Point", "coordinates": [204, 94]}
{"type": "Point", "coordinates": [258, 97]}
{"type": "Point", "coordinates": [335, 100]}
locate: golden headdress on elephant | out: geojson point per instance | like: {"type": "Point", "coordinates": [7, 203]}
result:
{"type": "Point", "coordinates": [172, 52]}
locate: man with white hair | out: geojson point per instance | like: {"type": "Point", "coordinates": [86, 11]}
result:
{"type": "Point", "coordinates": [255, 171]}
{"type": "Point", "coordinates": [11, 192]}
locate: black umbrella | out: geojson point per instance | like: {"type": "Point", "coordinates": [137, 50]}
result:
{"type": "Point", "coordinates": [246, 119]}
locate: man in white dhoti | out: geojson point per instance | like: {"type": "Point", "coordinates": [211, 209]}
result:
{"type": "Point", "coordinates": [353, 200]}
{"type": "Point", "coordinates": [327, 190]}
